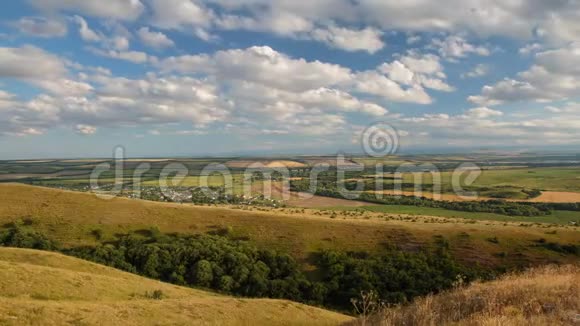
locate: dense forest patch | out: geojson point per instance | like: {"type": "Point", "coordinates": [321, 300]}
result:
{"type": "Point", "coordinates": [238, 268]}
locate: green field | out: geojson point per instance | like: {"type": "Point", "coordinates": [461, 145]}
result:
{"type": "Point", "coordinates": [555, 179]}
{"type": "Point", "coordinates": [558, 217]}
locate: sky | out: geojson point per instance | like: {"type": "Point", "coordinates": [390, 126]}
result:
{"type": "Point", "coordinates": [233, 77]}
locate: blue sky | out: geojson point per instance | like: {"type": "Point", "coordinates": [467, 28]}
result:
{"type": "Point", "coordinates": [218, 77]}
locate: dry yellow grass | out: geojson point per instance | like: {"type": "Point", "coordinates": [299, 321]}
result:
{"type": "Point", "coordinates": [307, 200]}
{"type": "Point", "coordinates": [547, 295]}
{"type": "Point", "coordinates": [314, 201]}
{"type": "Point", "coordinates": [69, 217]}
{"type": "Point", "coordinates": [285, 164]}
{"type": "Point", "coordinates": [266, 163]}
{"type": "Point", "coordinates": [43, 288]}
{"type": "Point", "coordinates": [557, 197]}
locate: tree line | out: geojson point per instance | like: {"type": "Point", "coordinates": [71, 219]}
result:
{"type": "Point", "coordinates": [496, 206]}
{"type": "Point", "coordinates": [238, 268]}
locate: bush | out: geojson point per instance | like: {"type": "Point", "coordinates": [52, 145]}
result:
{"type": "Point", "coordinates": [28, 221]}
{"type": "Point", "coordinates": [20, 237]}
{"type": "Point", "coordinates": [562, 248]}
{"type": "Point", "coordinates": [97, 233]}
{"type": "Point", "coordinates": [155, 295]}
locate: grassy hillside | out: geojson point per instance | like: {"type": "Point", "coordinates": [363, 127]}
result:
{"type": "Point", "coordinates": [71, 219]}
{"type": "Point", "coordinates": [543, 296]}
{"type": "Point", "coordinates": [43, 288]}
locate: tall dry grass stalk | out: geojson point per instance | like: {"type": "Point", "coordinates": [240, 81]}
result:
{"type": "Point", "coordinates": [547, 295]}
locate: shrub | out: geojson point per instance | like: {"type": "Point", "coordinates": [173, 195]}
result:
{"type": "Point", "coordinates": [97, 233]}
{"type": "Point", "coordinates": [22, 238]}
{"type": "Point", "coordinates": [155, 295]}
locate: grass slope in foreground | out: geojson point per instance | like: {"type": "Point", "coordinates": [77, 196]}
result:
{"type": "Point", "coordinates": [44, 288]}
{"type": "Point", "coordinates": [543, 296]}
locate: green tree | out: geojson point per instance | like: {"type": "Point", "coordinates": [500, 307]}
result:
{"type": "Point", "coordinates": [226, 283]}
{"type": "Point", "coordinates": [202, 273]}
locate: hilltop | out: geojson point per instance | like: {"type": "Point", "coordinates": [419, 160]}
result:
{"type": "Point", "coordinates": [541, 296]}
{"type": "Point", "coordinates": [38, 287]}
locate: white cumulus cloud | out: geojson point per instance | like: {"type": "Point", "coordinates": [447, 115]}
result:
{"type": "Point", "coordinates": [154, 39]}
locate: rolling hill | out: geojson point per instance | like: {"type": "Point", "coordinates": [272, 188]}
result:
{"type": "Point", "coordinates": [44, 288]}
{"type": "Point", "coordinates": [71, 217]}
{"type": "Point", "coordinates": [54, 288]}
